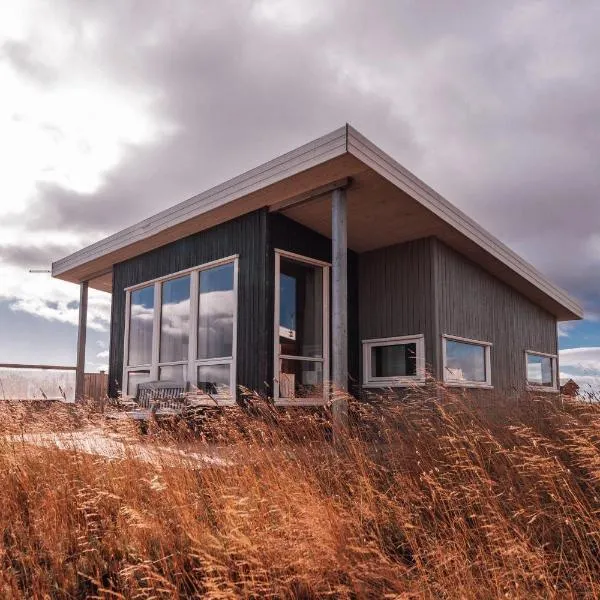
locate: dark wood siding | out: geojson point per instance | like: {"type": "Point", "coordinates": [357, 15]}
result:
{"type": "Point", "coordinates": [396, 294]}
{"type": "Point", "coordinates": [474, 304]}
{"type": "Point", "coordinates": [286, 234]}
{"type": "Point", "coordinates": [245, 236]}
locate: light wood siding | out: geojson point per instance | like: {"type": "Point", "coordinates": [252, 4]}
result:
{"type": "Point", "coordinates": [471, 303]}
{"type": "Point", "coordinates": [286, 234]}
{"type": "Point", "coordinates": [245, 236]}
{"type": "Point", "coordinates": [396, 294]}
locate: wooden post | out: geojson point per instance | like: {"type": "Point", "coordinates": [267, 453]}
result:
{"type": "Point", "coordinates": [339, 346]}
{"type": "Point", "coordinates": [81, 335]}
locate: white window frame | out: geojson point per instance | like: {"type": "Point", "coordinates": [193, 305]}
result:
{"type": "Point", "coordinates": [390, 382]}
{"type": "Point", "coordinates": [487, 346]}
{"type": "Point", "coordinates": [532, 387]}
{"type": "Point", "coordinates": [192, 362]}
{"type": "Point", "coordinates": [277, 357]}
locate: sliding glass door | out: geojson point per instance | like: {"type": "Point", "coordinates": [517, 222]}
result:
{"type": "Point", "coordinates": [301, 364]}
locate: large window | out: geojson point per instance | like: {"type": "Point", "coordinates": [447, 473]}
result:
{"type": "Point", "coordinates": [301, 329]}
{"type": "Point", "coordinates": [393, 362]}
{"type": "Point", "coordinates": [541, 371]}
{"type": "Point", "coordinates": [466, 362]}
{"type": "Point", "coordinates": [182, 328]}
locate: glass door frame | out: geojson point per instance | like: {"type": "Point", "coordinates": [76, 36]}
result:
{"type": "Point", "coordinates": [277, 356]}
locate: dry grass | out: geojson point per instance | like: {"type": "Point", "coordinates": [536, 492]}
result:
{"type": "Point", "coordinates": [425, 499]}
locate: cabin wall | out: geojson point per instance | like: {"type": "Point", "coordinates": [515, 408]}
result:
{"type": "Point", "coordinates": [286, 234]}
{"type": "Point", "coordinates": [396, 294]}
{"type": "Point", "coordinates": [245, 236]}
{"type": "Point", "coordinates": [473, 304]}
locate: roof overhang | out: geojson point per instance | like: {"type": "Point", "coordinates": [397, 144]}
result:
{"type": "Point", "coordinates": [386, 204]}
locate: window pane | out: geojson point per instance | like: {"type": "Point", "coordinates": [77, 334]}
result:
{"type": "Point", "coordinates": [141, 319]}
{"type": "Point", "coordinates": [135, 377]}
{"type": "Point", "coordinates": [465, 362]}
{"type": "Point", "coordinates": [300, 309]}
{"type": "Point", "coordinates": [539, 370]}
{"type": "Point", "coordinates": [399, 360]}
{"type": "Point", "coordinates": [215, 312]}
{"type": "Point", "coordinates": [172, 373]}
{"type": "Point", "coordinates": [175, 320]}
{"type": "Point", "coordinates": [214, 379]}
{"type": "Point", "coordinates": [301, 379]}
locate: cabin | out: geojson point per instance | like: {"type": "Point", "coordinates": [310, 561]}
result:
{"type": "Point", "coordinates": [329, 266]}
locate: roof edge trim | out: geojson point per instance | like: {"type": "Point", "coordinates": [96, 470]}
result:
{"type": "Point", "coordinates": [311, 154]}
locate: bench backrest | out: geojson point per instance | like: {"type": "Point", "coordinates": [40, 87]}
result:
{"type": "Point", "coordinates": [161, 394]}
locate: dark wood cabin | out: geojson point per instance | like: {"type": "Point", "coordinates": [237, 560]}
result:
{"type": "Point", "coordinates": [331, 264]}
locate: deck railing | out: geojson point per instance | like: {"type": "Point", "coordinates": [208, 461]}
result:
{"type": "Point", "coordinates": [47, 382]}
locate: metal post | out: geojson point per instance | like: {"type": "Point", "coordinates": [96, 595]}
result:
{"type": "Point", "coordinates": [339, 347]}
{"type": "Point", "coordinates": [81, 335]}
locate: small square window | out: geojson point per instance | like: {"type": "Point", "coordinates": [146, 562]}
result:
{"type": "Point", "coordinates": [541, 371]}
{"type": "Point", "coordinates": [466, 362]}
{"type": "Point", "coordinates": [393, 362]}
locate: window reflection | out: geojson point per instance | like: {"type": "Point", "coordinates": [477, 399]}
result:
{"type": "Point", "coordinates": [216, 304]}
{"type": "Point", "coordinates": [172, 373]}
{"type": "Point", "coordinates": [134, 378]}
{"type": "Point", "coordinates": [539, 370]}
{"type": "Point", "coordinates": [175, 320]}
{"type": "Point", "coordinates": [300, 309]}
{"type": "Point", "coordinates": [140, 326]}
{"type": "Point", "coordinates": [398, 360]}
{"type": "Point", "coordinates": [465, 362]}
{"type": "Point", "coordinates": [214, 379]}
{"type": "Point", "coordinates": [301, 379]}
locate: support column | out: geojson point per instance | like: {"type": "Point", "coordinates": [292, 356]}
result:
{"type": "Point", "coordinates": [81, 335]}
{"type": "Point", "coordinates": [339, 312]}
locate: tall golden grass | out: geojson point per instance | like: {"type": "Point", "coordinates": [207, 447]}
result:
{"type": "Point", "coordinates": [424, 498]}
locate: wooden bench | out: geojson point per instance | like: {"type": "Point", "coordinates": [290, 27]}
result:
{"type": "Point", "coordinates": [159, 398]}
{"type": "Point", "coordinates": [171, 398]}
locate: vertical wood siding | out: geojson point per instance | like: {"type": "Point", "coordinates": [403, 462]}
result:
{"type": "Point", "coordinates": [245, 236]}
{"type": "Point", "coordinates": [396, 294]}
{"type": "Point", "coordinates": [474, 304]}
{"type": "Point", "coordinates": [286, 234]}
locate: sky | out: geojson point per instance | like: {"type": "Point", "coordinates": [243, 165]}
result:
{"type": "Point", "coordinates": [112, 111]}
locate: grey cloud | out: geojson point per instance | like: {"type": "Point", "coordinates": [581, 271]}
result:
{"type": "Point", "coordinates": [22, 58]}
{"type": "Point", "coordinates": [515, 133]}
{"type": "Point", "coordinates": [32, 256]}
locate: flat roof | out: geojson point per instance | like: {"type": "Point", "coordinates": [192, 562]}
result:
{"type": "Point", "coordinates": [386, 204]}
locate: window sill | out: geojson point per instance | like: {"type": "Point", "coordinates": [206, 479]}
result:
{"type": "Point", "coordinates": [545, 390]}
{"type": "Point", "coordinates": [469, 384]}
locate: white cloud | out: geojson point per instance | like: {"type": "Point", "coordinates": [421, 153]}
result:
{"type": "Point", "coordinates": [581, 359]}
{"type": "Point", "coordinates": [70, 132]}
{"type": "Point", "coordinates": [103, 354]}
{"type": "Point", "coordinates": [290, 14]}
{"type": "Point", "coordinates": [40, 295]}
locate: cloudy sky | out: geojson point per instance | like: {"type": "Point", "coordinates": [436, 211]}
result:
{"type": "Point", "coordinates": [111, 111]}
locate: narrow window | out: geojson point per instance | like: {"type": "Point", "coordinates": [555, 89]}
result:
{"type": "Point", "coordinates": [216, 306]}
{"type": "Point", "coordinates": [541, 371]}
{"type": "Point", "coordinates": [301, 332]}
{"type": "Point", "coordinates": [141, 320]}
{"type": "Point", "coordinates": [393, 362]}
{"type": "Point", "coordinates": [175, 320]}
{"type": "Point", "coordinates": [466, 362]}
{"type": "Point", "coordinates": [216, 319]}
